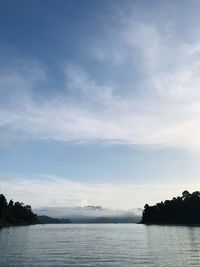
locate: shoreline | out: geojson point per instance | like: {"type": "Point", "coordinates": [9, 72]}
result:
{"type": "Point", "coordinates": [171, 224]}
{"type": "Point", "coordinates": [21, 224]}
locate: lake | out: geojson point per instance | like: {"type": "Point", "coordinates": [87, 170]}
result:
{"type": "Point", "coordinates": [102, 245]}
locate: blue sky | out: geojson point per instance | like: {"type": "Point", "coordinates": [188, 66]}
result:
{"type": "Point", "coordinates": [99, 101]}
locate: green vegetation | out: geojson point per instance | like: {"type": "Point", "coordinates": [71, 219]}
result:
{"type": "Point", "coordinates": [180, 210]}
{"type": "Point", "coordinates": [15, 213]}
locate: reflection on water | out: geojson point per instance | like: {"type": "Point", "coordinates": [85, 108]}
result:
{"type": "Point", "coordinates": [99, 245]}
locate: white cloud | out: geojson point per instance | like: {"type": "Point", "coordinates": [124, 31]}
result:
{"type": "Point", "coordinates": [161, 110]}
{"type": "Point", "coordinates": [55, 191]}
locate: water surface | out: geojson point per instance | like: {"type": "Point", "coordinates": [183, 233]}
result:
{"type": "Point", "coordinates": [100, 245]}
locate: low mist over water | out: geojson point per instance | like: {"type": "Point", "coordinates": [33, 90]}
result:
{"type": "Point", "coordinates": [123, 245]}
{"type": "Point", "coordinates": [92, 214]}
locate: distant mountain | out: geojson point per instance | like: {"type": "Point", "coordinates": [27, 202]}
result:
{"type": "Point", "coordinates": [49, 220]}
{"type": "Point", "coordinates": [180, 210]}
{"type": "Point", "coordinates": [92, 214]}
{"type": "Point", "coordinates": [89, 208]}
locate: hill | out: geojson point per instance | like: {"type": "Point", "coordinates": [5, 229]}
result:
{"type": "Point", "coordinates": [49, 220]}
{"type": "Point", "coordinates": [179, 210]}
{"type": "Point", "coordinates": [15, 213]}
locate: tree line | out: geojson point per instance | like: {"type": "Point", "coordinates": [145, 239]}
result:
{"type": "Point", "coordinates": [49, 220]}
{"type": "Point", "coordinates": [179, 210]}
{"type": "Point", "coordinates": [15, 213]}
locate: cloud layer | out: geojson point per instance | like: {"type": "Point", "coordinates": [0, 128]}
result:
{"type": "Point", "coordinates": [59, 192]}
{"type": "Point", "coordinates": [158, 105]}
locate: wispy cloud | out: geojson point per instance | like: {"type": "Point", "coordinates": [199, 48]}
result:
{"type": "Point", "coordinates": [160, 110]}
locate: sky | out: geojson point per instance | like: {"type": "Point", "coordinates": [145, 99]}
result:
{"type": "Point", "coordinates": [99, 101]}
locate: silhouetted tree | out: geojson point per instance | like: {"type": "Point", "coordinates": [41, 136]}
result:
{"type": "Point", "coordinates": [180, 210]}
{"type": "Point", "coordinates": [15, 213]}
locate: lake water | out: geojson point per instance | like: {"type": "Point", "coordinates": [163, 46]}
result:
{"type": "Point", "coordinates": [102, 245]}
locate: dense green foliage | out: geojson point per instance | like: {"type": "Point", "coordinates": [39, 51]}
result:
{"type": "Point", "coordinates": [180, 210]}
{"type": "Point", "coordinates": [48, 220]}
{"type": "Point", "coordinates": [15, 213]}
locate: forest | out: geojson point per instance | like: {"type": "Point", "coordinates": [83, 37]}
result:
{"type": "Point", "coordinates": [184, 209]}
{"type": "Point", "coordinates": [15, 213]}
